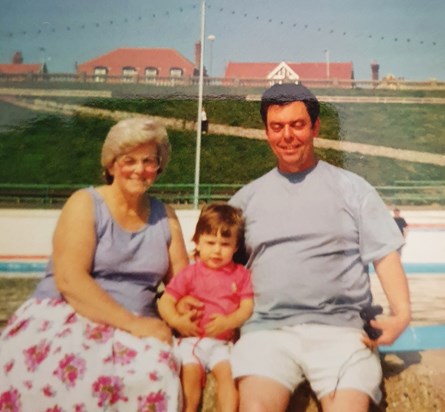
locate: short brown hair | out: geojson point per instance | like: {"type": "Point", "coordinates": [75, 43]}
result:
{"type": "Point", "coordinates": [130, 133]}
{"type": "Point", "coordinates": [220, 217]}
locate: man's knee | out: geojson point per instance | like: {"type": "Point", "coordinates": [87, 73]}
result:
{"type": "Point", "coordinates": [259, 394]}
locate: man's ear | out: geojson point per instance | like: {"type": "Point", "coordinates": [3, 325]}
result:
{"type": "Point", "coordinates": [316, 127]}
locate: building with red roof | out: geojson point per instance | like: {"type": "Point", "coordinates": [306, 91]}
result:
{"type": "Point", "coordinates": [340, 74]}
{"type": "Point", "coordinates": [17, 67]}
{"type": "Point", "coordinates": [136, 64]}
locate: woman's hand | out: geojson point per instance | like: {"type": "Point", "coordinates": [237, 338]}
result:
{"type": "Point", "coordinates": [186, 325]}
{"type": "Point", "coordinates": [217, 325]}
{"type": "Point", "coordinates": [190, 305]}
{"type": "Point", "coordinates": [143, 327]}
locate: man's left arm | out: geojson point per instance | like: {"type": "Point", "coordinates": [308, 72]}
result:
{"type": "Point", "coordinates": [392, 277]}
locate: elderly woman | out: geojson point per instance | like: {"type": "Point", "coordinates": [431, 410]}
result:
{"type": "Point", "coordinates": [90, 338]}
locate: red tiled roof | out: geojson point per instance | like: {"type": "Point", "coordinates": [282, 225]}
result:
{"type": "Point", "coordinates": [140, 59]}
{"type": "Point", "coordinates": [20, 68]}
{"type": "Point", "coordinates": [341, 71]}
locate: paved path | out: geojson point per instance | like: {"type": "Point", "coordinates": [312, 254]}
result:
{"type": "Point", "coordinates": [178, 124]}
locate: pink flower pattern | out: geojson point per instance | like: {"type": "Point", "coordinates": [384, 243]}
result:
{"type": "Point", "coordinates": [70, 369]}
{"type": "Point", "coordinates": [36, 354]}
{"type": "Point", "coordinates": [122, 355]}
{"type": "Point", "coordinates": [153, 376]}
{"type": "Point", "coordinates": [55, 408]}
{"type": "Point", "coordinates": [109, 390]}
{"type": "Point", "coordinates": [67, 359]}
{"type": "Point", "coordinates": [10, 401]}
{"type": "Point", "coordinates": [154, 402]}
{"type": "Point", "coordinates": [99, 333]}
{"type": "Point", "coordinates": [18, 328]}
{"type": "Point", "coordinates": [64, 332]}
{"type": "Point", "coordinates": [168, 358]}
{"type": "Point", "coordinates": [45, 326]}
{"type": "Point", "coordinates": [27, 383]}
{"type": "Point", "coordinates": [48, 391]}
{"type": "Point", "coordinates": [8, 366]}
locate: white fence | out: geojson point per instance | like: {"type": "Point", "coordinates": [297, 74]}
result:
{"type": "Point", "coordinates": [26, 233]}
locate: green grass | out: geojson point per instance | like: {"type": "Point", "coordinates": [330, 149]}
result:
{"type": "Point", "coordinates": [14, 291]}
{"type": "Point", "coordinates": [55, 149]}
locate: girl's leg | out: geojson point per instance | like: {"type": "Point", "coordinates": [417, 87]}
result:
{"type": "Point", "coordinates": [191, 385]}
{"type": "Point", "coordinates": [227, 393]}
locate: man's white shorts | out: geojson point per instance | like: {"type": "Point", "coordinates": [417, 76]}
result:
{"type": "Point", "coordinates": [331, 358]}
{"type": "Point", "coordinates": [205, 351]}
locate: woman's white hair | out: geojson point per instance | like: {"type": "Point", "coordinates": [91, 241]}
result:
{"type": "Point", "coordinates": [128, 134]}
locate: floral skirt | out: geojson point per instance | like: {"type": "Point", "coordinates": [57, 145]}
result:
{"type": "Point", "coordinates": [54, 360]}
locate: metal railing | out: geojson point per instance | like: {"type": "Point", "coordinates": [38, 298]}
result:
{"type": "Point", "coordinates": [54, 195]}
{"type": "Point", "coordinates": [334, 83]}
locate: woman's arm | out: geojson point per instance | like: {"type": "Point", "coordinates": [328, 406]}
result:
{"type": "Point", "coordinates": [182, 323]}
{"type": "Point", "coordinates": [220, 323]}
{"type": "Point", "coordinates": [178, 258]}
{"type": "Point", "coordinates": [74, 244]}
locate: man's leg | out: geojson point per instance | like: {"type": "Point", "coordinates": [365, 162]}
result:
{"type": "Point", "coordinates": [345, 400]}
{"type": "Point", "coordinates": [260, 394]}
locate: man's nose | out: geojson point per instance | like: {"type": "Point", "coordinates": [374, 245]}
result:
{"type": "Point", "coordinates": [287, 132]}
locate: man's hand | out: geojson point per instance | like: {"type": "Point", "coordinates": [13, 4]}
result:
{"type": "Point", "coordinates": [391, 327]}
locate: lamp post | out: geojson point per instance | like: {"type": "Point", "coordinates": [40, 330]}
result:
{"type": "Point", "coordinates": [328, 74]}
{"type": "Point", "coordinates": [211, 38]}
{"type": "Point", "coordinates": [198, 126]}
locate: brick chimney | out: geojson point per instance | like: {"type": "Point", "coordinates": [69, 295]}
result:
{"type": "Point", "coordinates": [17, 58]}
{"type": "Point", "coordinates": [198, 55]}
{"type": "Point", "coordinates": [375, 70]}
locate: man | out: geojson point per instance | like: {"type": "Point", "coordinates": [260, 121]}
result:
{"type": "Point", "coordinates": [400, 221]}
{"type": "Point", "coordinates": [311, 231]}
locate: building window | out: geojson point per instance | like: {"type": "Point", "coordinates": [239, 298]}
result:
{"type": "Point", "coordinates": [100, 74]}
{"type": "Point", "coordinates": [151, 72]}
{"type": "Point", "coordinates": [129, 74]}
{"type": "Point", "coordinates": [176, 72]}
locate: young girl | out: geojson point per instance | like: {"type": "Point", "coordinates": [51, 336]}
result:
{"type": "Point", "coordinates": [225, 290]}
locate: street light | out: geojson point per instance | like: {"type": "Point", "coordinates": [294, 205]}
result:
{"type": "Point", "coordinates": [327, 64]}
{"type": "Point", "coordinates": [211, 38]}
{"type": "Point", "coordinates": [198, 128]}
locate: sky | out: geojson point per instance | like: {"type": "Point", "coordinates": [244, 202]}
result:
{"type": "Point", "coordinates": [405, 37]}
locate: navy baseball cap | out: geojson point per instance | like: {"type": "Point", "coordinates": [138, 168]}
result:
{"type": "Point", "coordinates": [286, 93]}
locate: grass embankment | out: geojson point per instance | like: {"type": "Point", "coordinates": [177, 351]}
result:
{"type": "Point", "coordinates": [14, 291]}
{"type": "Point", "coordinates": [54, 149]}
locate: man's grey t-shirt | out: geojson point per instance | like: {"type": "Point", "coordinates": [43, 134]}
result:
{"type": "Point", "coordinates": [311, 236]}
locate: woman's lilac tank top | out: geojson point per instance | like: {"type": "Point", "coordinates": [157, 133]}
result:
{"type": "Point", "coordinates": [128, 265]}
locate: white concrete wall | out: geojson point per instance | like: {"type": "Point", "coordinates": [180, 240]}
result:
{"type": "Point", "coordinates": [28, 233]}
